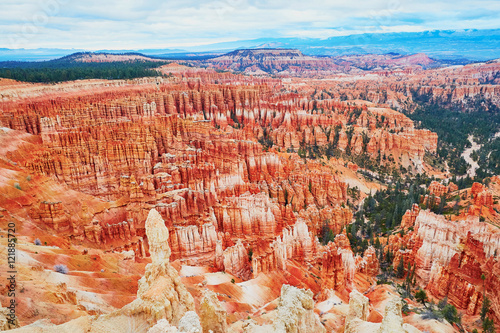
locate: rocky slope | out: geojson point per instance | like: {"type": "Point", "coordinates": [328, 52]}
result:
{"type": "Point", "coordinates": [356, 321]}
{"type": "Point", "coordinates": [450, 256]}
{"type": "Point", "coordinates": [194, 181]}
{"type": "Point", "coordinates": [83, 170]}
{"type": "Point", "coordinates": [465, 87]}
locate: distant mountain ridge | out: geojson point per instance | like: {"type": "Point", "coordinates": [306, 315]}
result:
{"type": "Point", "coordinates": [271, 61]}
{"type": "Point", "coordinates": [293, 62]}
{"type": "Point", "coordinates": [440, 44]}
{"type": "Point", "coordinates": [265, 52]}
{"type": "Point", "coordinates": [478, 45]}
{"type": "Point", "coordinates": [263, 61]}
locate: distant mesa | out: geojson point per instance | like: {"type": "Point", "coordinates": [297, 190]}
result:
{"type": "Point", "coordinates": [265, 52]}
{"type": "Point", "coordinates": [293, 62]}
{"type": "Point", "coordinates": [271, 61]}
{"type": "Point", "coordinates": [106, 57]}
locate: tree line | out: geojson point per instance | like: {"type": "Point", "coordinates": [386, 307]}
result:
{"type": "Point", "coordinates": [59, 71]}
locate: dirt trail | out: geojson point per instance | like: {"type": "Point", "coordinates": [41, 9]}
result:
{"type": "Point", "coordinates": [473, 166]}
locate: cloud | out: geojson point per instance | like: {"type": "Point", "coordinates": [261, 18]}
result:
{"type": "Point", "coordinates": [134, 24]}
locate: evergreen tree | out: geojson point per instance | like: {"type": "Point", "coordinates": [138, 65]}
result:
{"type": "Point", "coordinates": [421, 296]}
{"type": "Point", "coordinates": [488, 325]}
{"type": "Point", "coordinates": [442, 204]}
{"type": "Point", "coordinates": [485, 308]}
{"type": "Point", "coordinates": [486, 302]}
{"type": "Point", "coordinates": [400, 271]}
{"type": "Point", "coordinates": [395, 217]}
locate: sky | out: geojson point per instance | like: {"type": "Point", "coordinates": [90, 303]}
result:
{"type": "Point", "coordinates": [140, 24]}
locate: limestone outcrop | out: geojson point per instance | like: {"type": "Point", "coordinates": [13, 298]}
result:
{"type": "Point", "coordinates": [359, 307]}
{"type": "Point", "coordinates": [393, 319]}
{"type": "Point", "coordinates": [338, 265]}
{"type": "Point", "coordinates": [236, 260]}
{"type": "Point", "coordinates": [408, 220]}
{"type": "Point", "coordinates": [212, 314]}
{"type": "Point", "coordinates": [163, 303]}
{"type": "Point", "coordinates": [161, 294]}
{"type": "Point", "coordinates": [450, 256]}
{"type": "Point", "coordinates": [333, 272]}
{"type": "Point", "coordinates": [441, 239]}
{"type": "Point", "coordinates": [368, 263]}
{"type": "Point", "coordinates": [460, 280]}
{"type": "Point", "coordinates": [189, 323]}
{"type": "Point", "coordinates": [356, 320]}
{"type": "Point", "coordinates": [295, 312]}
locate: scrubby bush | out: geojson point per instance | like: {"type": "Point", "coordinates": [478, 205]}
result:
{"type": "Point", "coordinates": [63, 269]}
{"type": "Point", "coordinates": [326, 234]}
{"type": "Point", "coordinates": [16, 185]}
{"type": "Point", "coordinates": [38, 242]}
{"type": "Point", "coordinates": [384, 278]}
{"type": "Point", "coordinates": [405, 308]}
{"type": "Point", "coordinates": [450, 313]}
{"type": "Point", "coordinates": [442, 303]}
{"type": "Point", "coordinates": [429, 314]}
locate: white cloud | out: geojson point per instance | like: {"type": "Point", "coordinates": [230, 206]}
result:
{"type": "Point", "coordinates": [133, 24]}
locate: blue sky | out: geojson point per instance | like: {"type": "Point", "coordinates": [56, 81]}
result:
{"type": "Point", "coordinates": [136, 24]}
